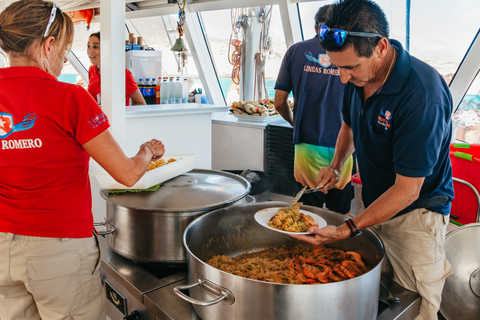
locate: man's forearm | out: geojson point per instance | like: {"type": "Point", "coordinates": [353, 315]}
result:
{"type": "Point", "coordinates": [343, 148]}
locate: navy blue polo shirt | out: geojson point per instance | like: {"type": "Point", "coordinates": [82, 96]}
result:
{"type": "Point", "coordinates": [317, 92]}
{"type": "Point", "coordinates": [405, 128]}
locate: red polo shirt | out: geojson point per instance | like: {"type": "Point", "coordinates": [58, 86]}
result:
{"type": "Point", "coordinates": [94, 85]}
{"type": "Point", "coordinates": [44, 182]}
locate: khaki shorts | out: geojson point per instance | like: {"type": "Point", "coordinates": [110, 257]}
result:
{"type": "Point", "coordinates": [414, 246]}
{"type": "Point", "coordinates": [50, 278]}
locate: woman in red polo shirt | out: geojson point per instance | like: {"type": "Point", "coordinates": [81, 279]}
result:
{"type": "Point", "coordinates": [131, 87]}
{"type": "Point", "coordinates": [49, 257]}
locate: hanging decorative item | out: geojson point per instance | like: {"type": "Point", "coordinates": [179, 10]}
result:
{"type": "Point", "coordinates": [248, 76]}
{"type": "Point", "coordinates": [82, 15]}
{"type": "Point", "coordinates": [179, 45]}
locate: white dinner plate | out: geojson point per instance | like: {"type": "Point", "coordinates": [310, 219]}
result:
{"type": "Point", "coordinates": [264, 215]}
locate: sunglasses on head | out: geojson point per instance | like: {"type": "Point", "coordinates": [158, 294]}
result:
{"type": "Point", "coordinates": [51, 18]}
{"type": "Point", "coordinates": [339, 36]}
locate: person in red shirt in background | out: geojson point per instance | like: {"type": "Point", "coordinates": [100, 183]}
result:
{"type": "Point", "coordinates": [49, 255]}
{"type": "Point", "coordinates": [131, 87]}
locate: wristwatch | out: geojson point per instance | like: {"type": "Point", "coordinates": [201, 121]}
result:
{"type": "Point", "coordinates": [353, 228]}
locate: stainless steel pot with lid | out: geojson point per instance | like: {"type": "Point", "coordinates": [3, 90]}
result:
{"type": "Point", "coordinates": [461, 293]}
{"type": "Point", "coordinates": [148, 226]}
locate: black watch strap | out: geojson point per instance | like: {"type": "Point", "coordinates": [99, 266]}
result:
{"type": "Point", "coordinates": [353, 228]}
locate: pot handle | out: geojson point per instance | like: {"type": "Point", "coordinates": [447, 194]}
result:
{"type": "Point", "coordinates": [208, 286]}
{"type": "Point", "coordinates": [109, 229]}
{"type": "Point", "coordinates": [250, 199]}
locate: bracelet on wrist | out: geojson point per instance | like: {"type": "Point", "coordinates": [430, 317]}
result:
{"type": "Point", "coordinates": [146, 145]}
{"type": "Point", "coordinates": [337, 173]}
{"type": "Point", "coordinates": [353, 228]}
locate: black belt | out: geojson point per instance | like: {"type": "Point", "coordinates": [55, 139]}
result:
{"type": "Point", "coordinates": [435, 201]}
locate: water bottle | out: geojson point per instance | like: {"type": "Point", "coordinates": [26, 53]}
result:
{"type": "Point", "coordinates": [157, 90]}
{"type": "Point", "coordinates": [141, 87]}
{"type": "Point", "coordinates": [164, 92]}
{"type": "Point", "coordinates": [185, 91]}
{"type": "Point", "coordinates": [178, 91]}
{"type": "Point", "coordinates": [171, 91]}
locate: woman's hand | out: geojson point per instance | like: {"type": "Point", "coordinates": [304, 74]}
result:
{"type": "Point", "coordinates": [105, 150]}
{"type": "Point", "coordinates": [156, 147]}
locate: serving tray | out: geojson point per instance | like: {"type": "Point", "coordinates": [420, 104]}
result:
{"type": "Point", "coordinates": [166, 172]}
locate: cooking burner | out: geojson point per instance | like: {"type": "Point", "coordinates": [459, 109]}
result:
{"type": "Point", "coordinates": [162, 270]}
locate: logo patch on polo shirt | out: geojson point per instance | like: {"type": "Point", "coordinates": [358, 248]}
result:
{"type": "Point", "coordinates": [98, 120]}
{"type": "Point", "coordinates": [7, 127]}
{"type": "Point", "coordinates": [324, 61]}
{"type": "Point", "coordinates": [384, 119]}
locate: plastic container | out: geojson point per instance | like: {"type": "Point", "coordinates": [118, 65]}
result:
{"type": "Point", "coordinates": [184, 163]}
{"type": "Point", "coordinates": [185, 91]}
{"type": "Point", "coordinates": [171, 91]}
{"type": "Point", "coordinates": [141, 86]}
{"type": "Point", "coordinates": [157, 90]}
{"type": "Point", "coordinates": [178, 91]}
{"type": "Point", "coordinates": [465, 166]}
{"type": "Point", "coordinates": [148, 91]}
{"type": "Point", "coordinates": [164, 92]}
{"type": "Point", "coordinates": [356, 205]}
{"type": "Point", "coordinates": [472, 149]}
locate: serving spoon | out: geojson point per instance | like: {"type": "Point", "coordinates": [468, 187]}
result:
{"type": "Point", "coordinates": [300, 194]}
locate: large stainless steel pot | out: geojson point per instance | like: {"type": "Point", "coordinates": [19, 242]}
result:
{"type": "Point", "coordinates": [148, 226]}
{"type": "Point", "coordinates": [232, 231]}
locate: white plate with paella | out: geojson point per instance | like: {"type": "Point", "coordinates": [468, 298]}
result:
{"type": "Point", "coordinates": [295, 221]}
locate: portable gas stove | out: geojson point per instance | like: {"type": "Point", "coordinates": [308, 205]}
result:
{"type": "Point", "coordinates": [137, 291]}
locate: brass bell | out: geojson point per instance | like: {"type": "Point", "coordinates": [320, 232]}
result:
{"type": "Point", "coordinates": [179, 45]}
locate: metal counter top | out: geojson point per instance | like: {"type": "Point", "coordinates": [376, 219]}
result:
{"type": "Point", "coordinates": [155, 294]}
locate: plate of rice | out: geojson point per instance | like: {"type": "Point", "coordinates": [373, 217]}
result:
{"type": "Point", "coordinates": [295, 221]}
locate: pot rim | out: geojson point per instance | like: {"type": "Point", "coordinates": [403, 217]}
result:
{"type": "Point", "coordinates": [273, 204]}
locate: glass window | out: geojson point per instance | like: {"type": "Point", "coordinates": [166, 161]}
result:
{"type": "Point", "coordinates": [79, 49]}
{"type": "Point", "coordinates": [430, 37]}
{"type": "Point", "coordinates": [307, 16]}
{"type": "Point", "coordinates": [467, 117]}
{"type": "Point", "coordinates": [161, 33]}
{"type": "Point", "coordinates": [154, 35]}
{"type": "Point", "coordinates": [219, 26]}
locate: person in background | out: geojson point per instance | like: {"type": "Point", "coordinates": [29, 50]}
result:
{"type": "Point", "coordinates": [94, 85]}
{"type": "Point", "coordinates": [316, 118]}
{"type": "Point", "coordinates": [397, 117]}
{"type": "Point", "coordinates": [49, 255]}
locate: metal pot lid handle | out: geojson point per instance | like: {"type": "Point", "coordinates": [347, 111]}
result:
{"type": "Point", "coordinates": [224, 294]}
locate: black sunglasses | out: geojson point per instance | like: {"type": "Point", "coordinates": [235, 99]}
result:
{"type": "Point", "coordinates": [339, 36]}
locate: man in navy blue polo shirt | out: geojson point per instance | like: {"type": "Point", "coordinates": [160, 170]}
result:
{"type": "Point", "coordinates": [397, 117]}
{"type": "Point", "coordinates": [317, 116]}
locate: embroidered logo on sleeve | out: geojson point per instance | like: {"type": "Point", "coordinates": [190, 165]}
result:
{"type": "Point", "coordinates": [97, 120]}
{"type": "Point", "coordinates": [7, 126]}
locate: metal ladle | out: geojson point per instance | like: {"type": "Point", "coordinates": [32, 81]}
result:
{"type": "Point", "coordinates": [391, 297]}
